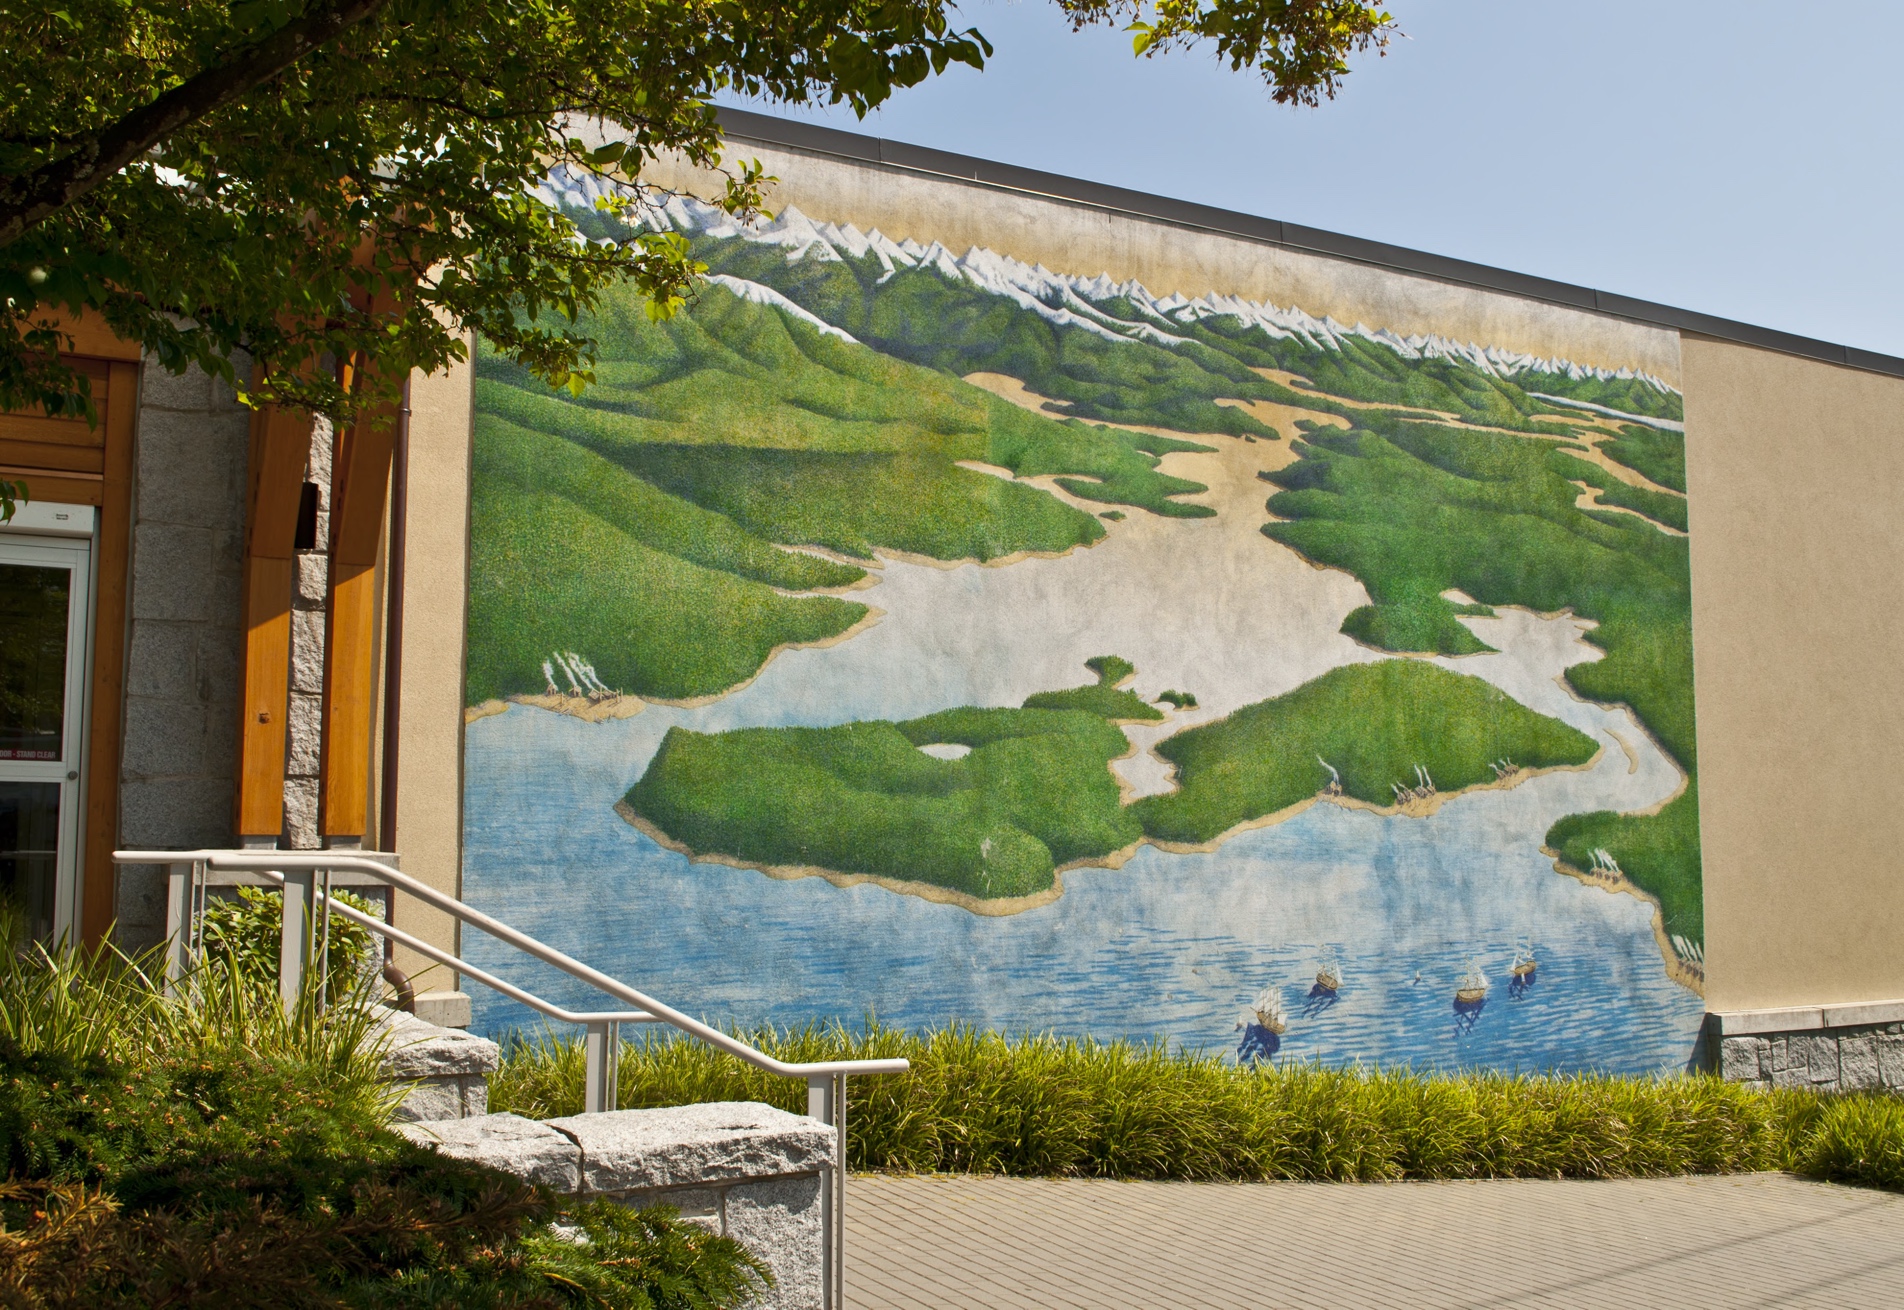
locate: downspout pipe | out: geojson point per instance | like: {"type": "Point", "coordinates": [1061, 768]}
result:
{"type": "Point", "coordinates": [393, 649]}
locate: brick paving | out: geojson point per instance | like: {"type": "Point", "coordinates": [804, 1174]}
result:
{"type": "Point", "coordinates": [936, 1243]}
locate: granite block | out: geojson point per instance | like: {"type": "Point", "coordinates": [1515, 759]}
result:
{"type": "Point", "coordinates": [629, 1150]}
{"type": "Point", "coordinates": [779, 1220]}
{"type": "Point", "coordinates": [520, 1147]}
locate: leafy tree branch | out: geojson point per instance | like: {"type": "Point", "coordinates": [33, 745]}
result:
{"type": "Point", "coordinates": [289, 183]}
{"type": "Point", "coordinates": [27, 198]}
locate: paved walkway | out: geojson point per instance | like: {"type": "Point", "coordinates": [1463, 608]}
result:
{"type": "Point", "coordinates": [1715, 1243]}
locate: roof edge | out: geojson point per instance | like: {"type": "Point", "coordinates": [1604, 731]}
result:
{"type": "Point", "coordinates": [812, 138]}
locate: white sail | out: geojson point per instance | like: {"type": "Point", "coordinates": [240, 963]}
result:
{"type": "Point", "coordinates": [1329, 972]}
{"type": "Point", "coordinates": [1473, 981]}
{"type": "Point", "coordinates": [1268, 1009]}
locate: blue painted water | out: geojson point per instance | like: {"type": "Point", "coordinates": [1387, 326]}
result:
{"type": "Point", "coordinates": [1169, 945]}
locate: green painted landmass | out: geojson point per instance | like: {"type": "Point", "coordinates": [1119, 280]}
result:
{"type": "Point", "coordinates": [1033, 793]}
{"type": "Point", "coordinates": [1652, 453]}
{"type": "Point", "coordinates": [1036, 791]}
{"type": "Point", "coordinates": [547, 575]}
{"type": "Point", "coordinates": [1629, 395]}
{"type": "Point", "coordinates": [1104, 698]}
{"type": "Point", "coordinates": [1659, 506]}
{"type": "Point", "coordinates": [667, 495]}
{"type": "Point", "coordinates": [539, 462]}
{"type": "Point", "coordinates": [1415, 509]}
{"type": "Point", "coordinates": [1375, 723]}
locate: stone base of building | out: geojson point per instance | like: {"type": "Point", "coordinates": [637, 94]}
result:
{"type": "Point", "coordinates": [1832, 1048]}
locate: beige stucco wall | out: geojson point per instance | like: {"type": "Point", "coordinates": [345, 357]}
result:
{"type": "Point", "coordinates": [1071, 238]}
{"type": "Point", "coordinates": [1796, 482]}
{"type": "Point", "coordinates": [429, 800]}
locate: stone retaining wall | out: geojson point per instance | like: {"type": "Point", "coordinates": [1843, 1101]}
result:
{"type": "Point", "coordinates": [1860, 1059]}
{"type": "Point", "coordinates": [743, 1169]}
{"type": "Point", "coordinates": [447, 1069]}
{"type": "Point", "coordinates": [746, 1170]}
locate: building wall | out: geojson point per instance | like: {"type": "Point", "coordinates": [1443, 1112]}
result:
{"type": "Point", "coordinates": [183, 654]}
{"type": "Point", "coordinates": [1796, 479]}
{"type": "Point", "coordinates": [1796, 470]}
{"type": "Point", "coordinates": [429, 776]}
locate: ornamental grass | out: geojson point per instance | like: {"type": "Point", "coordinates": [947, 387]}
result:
{"type": "Point", "coordinates": [1044, 1106]}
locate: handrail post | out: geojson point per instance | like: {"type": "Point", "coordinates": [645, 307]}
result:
{"type": "Point", "coordinates": [294, 940]}
{"type": "Point", "coordinates": [180, 887]}
{"type": "Point", "coordinates": [826, 1101]}
{"type": "Point", "coordinates": [324, 944]}
{"type": "Point", "coordinates": [184, 920]}
{"type": "Point", "coordinates": [601, 1080]}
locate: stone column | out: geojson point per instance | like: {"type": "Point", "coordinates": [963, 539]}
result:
{"type": "Point", "coordinates": [185, 638]}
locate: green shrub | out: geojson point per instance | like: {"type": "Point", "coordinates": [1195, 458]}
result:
{"type": "Point", "coordinates": [220, 1182]}
{"type": "Point", "coordinates": [100, 1002]}
{"type": "Point", "coordinates": [244, 932]}
{"type": "Point", "coordinates": [216, 1147]}
{"type": "Point", "coordinates": [1045, 1106]}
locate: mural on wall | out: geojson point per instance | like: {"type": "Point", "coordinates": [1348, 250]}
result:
{"type": "Point", "coordinates": [939, 637]}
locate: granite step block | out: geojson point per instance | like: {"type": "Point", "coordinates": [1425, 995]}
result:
{"type": "Point", "coordinates": [524, 1148]}
{"type": "Point", "coordinates": [685, 1145]}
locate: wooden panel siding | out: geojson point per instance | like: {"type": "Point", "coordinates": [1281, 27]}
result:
{"type": "Point", "coordinates": [63, 459]}
{"type": "Point", "coordinates": [98, 886]}
{"type": "Point", "coordinates": [69, 489]}
{"type": "Point", "coordinates": [280, 448]}
{"type": "Point", "coordinates": [72, 458]}
{"type": "Point", "coordinates": [73, 461]}
{"type": "Point", "coordinates": [360, 486]}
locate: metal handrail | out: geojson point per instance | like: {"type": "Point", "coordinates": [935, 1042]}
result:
{"type": "Point", "coordinates": [825, 1079]}
{"type": "Point", "coordinates": [483, 976]}
{"type": "Point", "coordinates": [265, 862]}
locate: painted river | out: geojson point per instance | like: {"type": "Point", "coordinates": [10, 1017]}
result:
{"type": "Point", "coordinates": [1169, 945]}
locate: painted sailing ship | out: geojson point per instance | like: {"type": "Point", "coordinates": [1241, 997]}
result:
{"type": "Point", "coordinates": [1471, 988]}
{"type": "Point", "coordinates": [1329, 976]}
{"type": "Point", "coordinates": [1524, 964]}
{"type": "Point", "coordinates": [1266, 1011]}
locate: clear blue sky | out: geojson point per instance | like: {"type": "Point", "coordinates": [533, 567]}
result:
{"type": "Point", "coordinates": [1745, 159]}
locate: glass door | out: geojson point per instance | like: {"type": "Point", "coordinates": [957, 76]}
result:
{"type": "Point", "coordinates": [43, 658]}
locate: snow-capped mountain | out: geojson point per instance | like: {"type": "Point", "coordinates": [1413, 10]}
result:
{"type": "Point", "coordinates": [766, 295]}
{"type": "Point", "coordinates": [1064, 299]}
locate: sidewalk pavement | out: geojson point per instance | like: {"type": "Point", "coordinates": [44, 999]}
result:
{"type": "Point", "coordinates": [948, 1243]}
